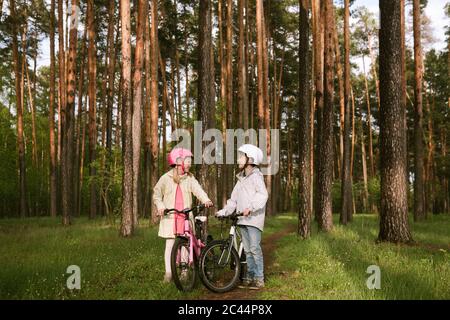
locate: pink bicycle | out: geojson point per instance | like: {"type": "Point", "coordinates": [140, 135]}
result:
{"type": "Point", "coordinates": [187, 248]}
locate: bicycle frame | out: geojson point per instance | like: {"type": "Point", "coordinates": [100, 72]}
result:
{"type": "Point", "coordinates": [234, 235]}
{"type": "Point", "coordinates": [195, 245]}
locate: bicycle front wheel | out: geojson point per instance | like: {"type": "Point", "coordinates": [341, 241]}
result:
{"type": "Point", "coordinates": [184, 272]}
{"type": "Point", "coordinates": [220, 267]}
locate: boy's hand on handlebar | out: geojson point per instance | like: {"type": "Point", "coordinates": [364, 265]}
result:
{"type": "Point", "coordinates": [246, 212]}
{"type": "Point", "coordinates": [161, 212]}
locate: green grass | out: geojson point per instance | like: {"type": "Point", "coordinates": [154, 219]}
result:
{"type": "Point", "coordinates": [35, 253]}
{"type": "Point", "coordinates": [333, 266]}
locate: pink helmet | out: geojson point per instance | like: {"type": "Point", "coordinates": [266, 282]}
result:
{"type": "Point", "coordinates": [178, 153]}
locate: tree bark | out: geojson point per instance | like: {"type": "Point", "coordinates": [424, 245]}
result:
{"type": "Point", "coordinates": [127, 226]}
{"type": "Point", "coordinates": [346, 191]}
{"type": "Point", "coordinates": [67, 150]}
{"type": "Point", "coordinates": [394, 225]}
{"type": "Point", "coordinates": [51, 115]}
{"type": "Point", "coordinates": [419, 190]}
{"type": "Point", "coordinates": [154, 147]}
{"type": "Point", "coordinates": [137, 103]}
{"type": "Point", "coordinates": [325, 163]}
{"type": "Point", "coordinates": [205, 94]}
{"type": "Point", "coordinates": [23, 206]}
{"type": "Point", "coordinates": [111, 74]}
{"type": "Point", "coordinates": [304, 206]}
{"type": "Point", "coordinates": [92, 66]}
{"type": "Point", "coordinates": [318, 42]}
{"type": "Point", "coordinates": [369, 124]}
{"type": "Point", "coordinates": [242, 70]}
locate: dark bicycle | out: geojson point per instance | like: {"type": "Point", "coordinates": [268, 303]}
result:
{"type": "Point", "coordinates": [223, 263]}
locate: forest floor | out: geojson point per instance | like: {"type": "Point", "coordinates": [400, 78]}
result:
{"type": "Point", "coordinates": [36, 252]}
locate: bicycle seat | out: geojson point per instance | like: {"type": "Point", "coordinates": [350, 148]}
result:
{"type": "Point", "coordinates": [201, 218]}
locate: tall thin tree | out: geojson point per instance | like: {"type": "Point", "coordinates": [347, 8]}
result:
{"type": "Point", "coordinates": [325, 161]}
{"type": "Point", "coordinates": [304, 207]}
{"type": "Point", "coordinates": [127, 226]}
{"type": "Point", "coordinates": [92, 70]}
{"type": "Point", "coordinates": [23, 206]}
{"type": "Point", "coordinates": [154, 147]}
{"type": "Point", "coordinates": [394, 225]}
{"type": "Point", "coordinates": [419, 190]}
{"type": "Point", "coordinates": [137, 103]}
{"type": "Point", "coordinates": [67, 158]}
{"type": "Point", "coordinates": [346, 191]}
{"type": "Point", "coordinates": [51, 114]}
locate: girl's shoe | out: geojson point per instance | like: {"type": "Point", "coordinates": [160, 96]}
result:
{"type": "Point", "coordinates": [257, 285]}
{"type": "Point", "coordinates": [167, 278]}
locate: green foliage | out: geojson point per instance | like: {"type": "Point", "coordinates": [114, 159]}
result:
{"type": "Point", "coordinates": [108, 180]}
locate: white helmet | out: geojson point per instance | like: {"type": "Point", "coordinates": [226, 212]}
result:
{"type": "Point", "coordinates": [254, 153]}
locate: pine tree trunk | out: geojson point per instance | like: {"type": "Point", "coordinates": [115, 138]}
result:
{"type": "Point", "coordinates": [346, 191]}
{"type": "Point", "coordinates": [92, 66]}
{"type": "Point", "coordinates": [154, 146]}
{"type": "Point", "coordinates": [229, 86]}
{"type": "Point", "coordinates": [223, 101]}
{"type": "Point", "coordinates": [67, 150]}
{"type": "Point", "coordinates": [62, 97]}
{"type": "Point", "coordinates": [127, 226]}
{"type": "Point", "coordinates": [77, 177]}
{"type": "Point", "coordinates": [242, 70]}
{"type": "Point", "coordinates": [33, 116]}
{"type": "Point", "coordinates": [325, 163]}
{"type": "Point", "coordinates": [369, 123]}
{"type": "Point", "coordinates": [340, 76]}
{"type": "Point", "coordinates": [419, 192]}
{"type": "Point", "coordinates": [364, 169]}
{"type": "Point", "coordinates": [304, 162]}
{"type": "Point", "coordinates": [147, 129]}
{"type": "Point", "coordinates": [111, 74]}
{"type": "Point", "coordinates": [137, 109]}
{"type": "Point", "coordinates": [318, 42]}
{"type": "Point", "coordinates": [394, 225]}
{"type": "Point", "coordinates": [51, 115]}
{"type": "Point", "coordinates": [205, 106]}
{"type": "Point", "coordinates": [23, 206]}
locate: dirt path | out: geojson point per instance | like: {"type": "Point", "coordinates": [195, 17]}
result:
{"type": "Point", "coordinates": [269, 245]}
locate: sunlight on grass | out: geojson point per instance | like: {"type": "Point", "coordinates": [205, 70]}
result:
{"type": "Point", "coordinates": [35, 253]}
{"type": "Point", "coordinates": [333, 266]}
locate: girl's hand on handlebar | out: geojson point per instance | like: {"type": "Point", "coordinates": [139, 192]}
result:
{"type": "Point", "coordinates": [209, 204]}
{"type": "Point", "coordinates": [160, 212]}
{"type": "Point", "coordinates": [246, 212]}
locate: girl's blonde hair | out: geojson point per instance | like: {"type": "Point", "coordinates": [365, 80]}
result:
{"type": "Point", "coordinates": [177, 177]}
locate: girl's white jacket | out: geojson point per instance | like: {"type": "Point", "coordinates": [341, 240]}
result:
{"type": "Point", "coordinates": [249, 192]}
{"type": "Point", "coordinates": [164, 198]}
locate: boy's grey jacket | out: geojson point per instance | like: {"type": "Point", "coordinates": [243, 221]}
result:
{"type": "Point", "coordinates": [249, 192]}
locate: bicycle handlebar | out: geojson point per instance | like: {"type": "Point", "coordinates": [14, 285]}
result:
{"type": "Point", "coordinates": [232, 216]}
{"type": "Point", "coordinates": [185, 211]}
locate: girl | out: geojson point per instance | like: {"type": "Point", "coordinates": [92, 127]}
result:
{"type": "Point", "coordinates": [174, 190]}
{"type": "Point", "coordinates": [249, 196]}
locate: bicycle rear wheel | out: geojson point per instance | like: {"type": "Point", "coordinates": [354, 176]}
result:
{"type": "Point", "coordinates": [220, 267]}
{"type": "Point", "coordinates": [184, 272]}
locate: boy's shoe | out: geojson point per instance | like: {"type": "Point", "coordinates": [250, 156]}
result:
{"type": "Point", "coordinates": [245, 284]}
{"type": "Point", "coordinates": [257, 285]}
{"type": "Point", "coordinates": [167, 278]}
